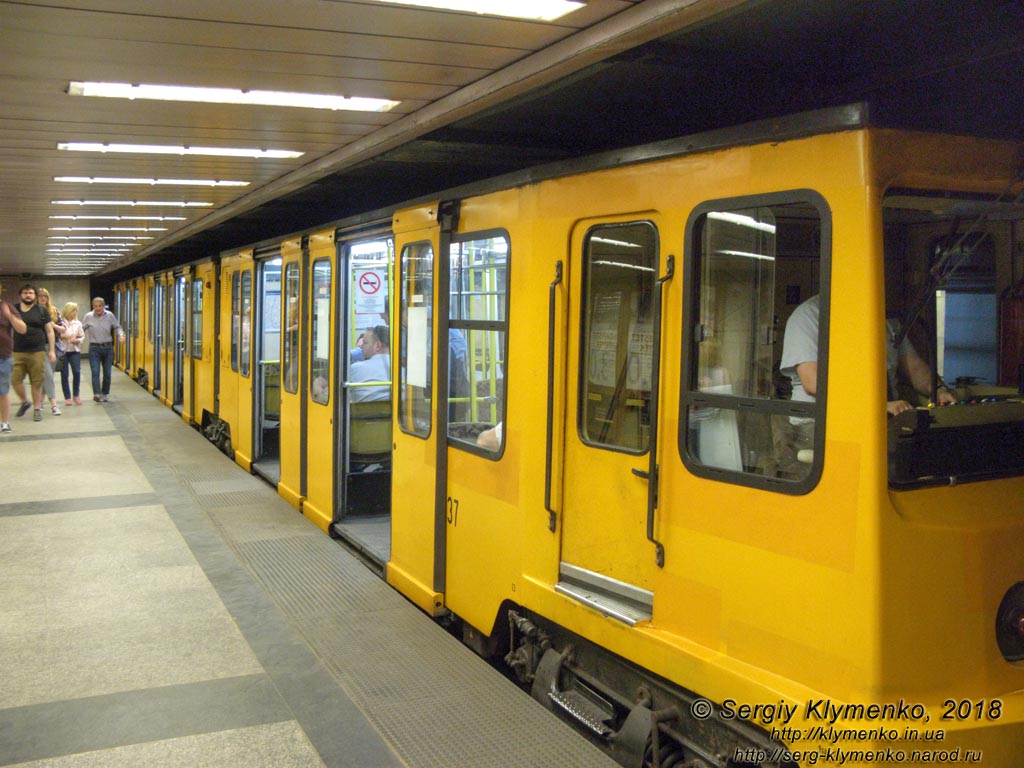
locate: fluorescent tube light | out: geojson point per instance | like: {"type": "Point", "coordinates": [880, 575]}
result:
{"type": "Point", "coordinates": [743, 221]}
{"type": "Point", "coordinates": [165, 149]}
{"type": "Point", "coordinates": [119, 218]}
{"type": "Point", "coordinates": [150, 182]}
{"type": "Point", "coordinates": [107, 229]}
{"type": "Point", "coordinates": [231, 96]}
{"type": "Point", "coordinates": [537, 10]}
{"type": "Point", "coordinates": [158, 203]}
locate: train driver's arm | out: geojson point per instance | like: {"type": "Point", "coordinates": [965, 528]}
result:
{"type": "Point", "coordinates": [808, 373]}
{"type": "Point", "coordinates": [919, 374]}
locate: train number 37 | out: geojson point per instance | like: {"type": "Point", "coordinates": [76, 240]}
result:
{"type": "Point", "coordinates": [453, 511]}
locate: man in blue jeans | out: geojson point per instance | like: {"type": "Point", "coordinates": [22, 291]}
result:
{"type": "Point", "coordinates": [100, 326]}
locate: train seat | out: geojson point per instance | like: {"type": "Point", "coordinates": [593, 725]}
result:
{"type": "Point", "coordinates": [370, 430]}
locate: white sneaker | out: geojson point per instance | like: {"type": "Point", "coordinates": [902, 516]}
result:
{"type": "Point", "coordinates": [55, 411]}
{"type": "Point", "coordinates": [5, 427]}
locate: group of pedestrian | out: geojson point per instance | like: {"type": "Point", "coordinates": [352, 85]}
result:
{"type": "Point", "coordinates": [36, 340]}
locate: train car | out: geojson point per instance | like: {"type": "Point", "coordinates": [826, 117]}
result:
{"type": "Point", "coordinates": [704, 440]}
{"type": "Point", "coordinates": [284, 393]}
{"type": "Point", "coordinates": [683, 488]}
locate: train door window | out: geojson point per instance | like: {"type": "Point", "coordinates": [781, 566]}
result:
{"type": "Point", "coordinates": [477, 338]}
{"type": "Point", "coordinates": [135, 312]}
{"type": "Point", "coordinates": [415, 346]}
{"type": "Point", "coordinates": [320, 332]}
{"type": "Point", "coordinates": [755, 329]}
{"type": "Point", "coordinates": [167, 325]}
{"type": "Point", "coordinates": [152, 314]}
{"type": "Point", "coordinates": [290, 351]}
{"type": "Point", "coordinates": [197, 318]}
{"type": "Point", "coordinates": [245, 327]}
{"type": "Point", "coordinates": [619, 270]}
{"type": "Point", "coordinates": [235, 320]}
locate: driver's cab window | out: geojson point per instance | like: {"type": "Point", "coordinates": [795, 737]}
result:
{"type": "Point", "coordinates": [756, 330]}
{"type": "Point", "coordinates": [953, 389]}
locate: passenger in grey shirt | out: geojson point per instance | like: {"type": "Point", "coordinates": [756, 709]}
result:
{"type": "Point", "coordinates": [100, 326]}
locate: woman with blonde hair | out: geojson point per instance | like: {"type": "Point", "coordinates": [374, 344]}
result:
{"type": "Point", "coordinates": [49, 391]}
{"type": "Point", "coordinates": [71, 363]}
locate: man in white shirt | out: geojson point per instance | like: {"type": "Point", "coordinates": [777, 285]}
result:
{"type": "Point", "coordinates": [375, 366]}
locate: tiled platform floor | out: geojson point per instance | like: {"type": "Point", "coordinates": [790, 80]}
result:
{"type": "Point", "coordinates": [161, 607]}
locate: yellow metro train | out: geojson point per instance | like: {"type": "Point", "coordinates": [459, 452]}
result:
{"type": "Point", "coordinates": [707, 439]}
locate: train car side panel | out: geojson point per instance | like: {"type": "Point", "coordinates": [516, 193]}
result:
{"type": "Point", "coordinates": [203, 344]}
{"type": "Point", "coordinates": [415, 568]}
{"type": "Point", "coordinates": [320, 392]}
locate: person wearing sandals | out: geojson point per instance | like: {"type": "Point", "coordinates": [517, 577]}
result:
{"type": "Point", "coordinates": [71, 363]}
{"type": "Point", "coordinates": [49, 389]}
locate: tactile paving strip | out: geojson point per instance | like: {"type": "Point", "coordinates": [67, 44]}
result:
{"type": "Point", "coordinates": [453, 711]}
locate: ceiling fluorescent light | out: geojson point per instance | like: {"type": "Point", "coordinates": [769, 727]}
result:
{"type": "Point", "coordinates": [107, 229]}
{"type": "Point", "coordinates": [231, 96]}
{"type": "Point", "coordinates": [165, 149]}
{"type": "Point", "coordinates": [158, 203]}
{"type": "Point", "coordinates": [537, 10]}
{"type": "Point", "coordinates": [150, 182]}
{"type": "Point", "coordinates": [120, 218]}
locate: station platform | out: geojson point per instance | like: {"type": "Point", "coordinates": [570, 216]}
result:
{"type": "Point", "coordinates": [159, 606]}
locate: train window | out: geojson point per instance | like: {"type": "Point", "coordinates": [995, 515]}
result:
{"type": "Point", "coordinates": [753, 389]}
{"type": "Point", "coordinates": [197, 318]}
{"type": "Point", "coordinates": [290, 350]}
{"type": "Point", "coordinates": [235, 320]}
{"type": "Point", "coordinates": [245, 329]}
{"type": "Point", "coordinates": [948, 256]}
{"type": "Point", "coordinates": [477, 334]}
{"type": "Point", "coordinates": [320, 333]}
{"type": "Point", "coordinates": [135, 312]}
{"type": "Point", "coordinates": [152, 315]}
{"type": "Point", "coordinates": [617, 335]}
{"type": "Point", "coordinates": [415, 347]}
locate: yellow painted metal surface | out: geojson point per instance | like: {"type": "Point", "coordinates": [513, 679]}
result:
{"type": "Point", "coordinates": [203, 368]}
{"type": "Point", "coordinates": [318, 505]}
{"type": "Point", "coordinates": [235, 387]}
{"type": "Point", "coordinates": [413, 541]}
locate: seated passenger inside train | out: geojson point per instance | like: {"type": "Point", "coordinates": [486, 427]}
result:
{"type": "Point", "coordinates": [374, 367]}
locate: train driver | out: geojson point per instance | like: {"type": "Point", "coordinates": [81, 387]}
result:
{"type": "Point", "coordinates": [800, 363]}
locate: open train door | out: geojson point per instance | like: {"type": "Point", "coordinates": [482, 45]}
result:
{"type": "Point", "coordinates": [607, 561]}
{"type": "Point", "coordinates": [362, 512]}
{"type": "Point", "coordinates": [417, 563]}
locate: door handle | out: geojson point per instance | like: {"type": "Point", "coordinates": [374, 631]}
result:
{"type": "Point", "coordinates": [643, 473]}
{"type": "Point", "coordinates": [552, 300]}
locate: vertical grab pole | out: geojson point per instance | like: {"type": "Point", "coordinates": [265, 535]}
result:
{"type": "Point", "coordinates": [652, 487]}
{"type": "Point", "coordinates": [552, 293]}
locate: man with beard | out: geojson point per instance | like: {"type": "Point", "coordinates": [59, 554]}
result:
{"type": "Point", "coordinates": [10, 321]}
{"type": "Point", "coordinates": [29, 350]}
